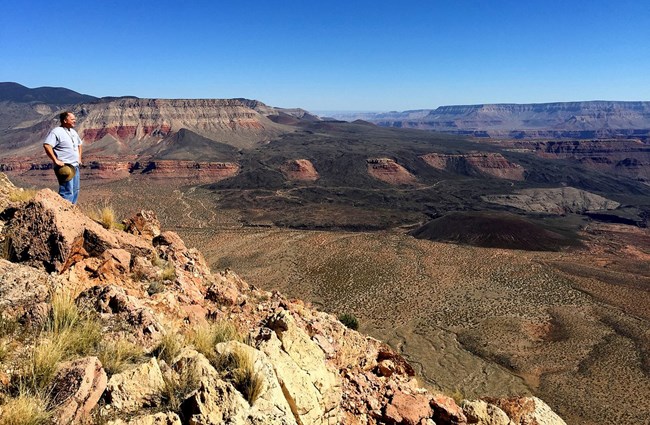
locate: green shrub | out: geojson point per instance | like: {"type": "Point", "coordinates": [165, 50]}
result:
{"type": "Point", "coordinates": [349, 320]}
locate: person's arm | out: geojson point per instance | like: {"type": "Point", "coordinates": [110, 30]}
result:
{"type": "Point", "coordinates": [80, 155]}
{"type": "Point", "coordinates": [50, 153]}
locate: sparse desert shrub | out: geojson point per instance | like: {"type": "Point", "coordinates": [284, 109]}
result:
{"type": "Point", "coordinates": [116, 355]}
{"type": "Point", "coordinates": [155, 287]}
{"type": "Point", "coordinates": [25, 409]}
{"type": "Point", "coordinates": [170, 346]}
{"type": "Point", "coordinates": [237, 367]}
{"type": "Point", "coordinates": [349, 320]}
{"type": "Point", "coordinates": [22, 195]}
{"type": "Point", "coordinates": [168, 272]}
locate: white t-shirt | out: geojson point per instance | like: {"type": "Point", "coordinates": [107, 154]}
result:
{"type": "Point", "coordinates": [65, 143]}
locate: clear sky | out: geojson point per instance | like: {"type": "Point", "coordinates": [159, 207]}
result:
{"type": "Point", "coordinates": [333, 55]}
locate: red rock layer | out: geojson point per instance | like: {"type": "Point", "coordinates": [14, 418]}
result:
{"type": "Point", "coordinates": [491, 164]}
{"type": "Point", "coordinates": [213, 171]}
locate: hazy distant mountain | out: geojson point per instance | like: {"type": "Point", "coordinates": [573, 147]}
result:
{"type": "Point", "coordinates": [595, 119]}
{"type": "Point", "coordinates": [22, 106]}
{"type": "Point", "coordinates": [15, 92]}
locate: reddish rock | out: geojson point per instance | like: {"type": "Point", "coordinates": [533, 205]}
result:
{"type": "Point", "coordinates": [491, 164]}
{"type": "Point", "coordinates": [408, 409]}
{"type": "Point", "coordinates": [446, 411]}
{"type": "Point", "coordinates": [144, 223]}
{"type": "Point", "coordinates": [76, 389]}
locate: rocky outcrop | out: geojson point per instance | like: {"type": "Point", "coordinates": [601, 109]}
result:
{"type": "Point", "coordinates": [389, 171]}
{"type": "Point", "coordinates": [554, 201]}
{"type": "Point", "coordinates": [299, 169]}
{"type": "Point", "coordinates": [489, 164]}
{"type": "Point", "coordinates": [49, 232]}
{"type": "Point", "coordinates": [310, 368]}
{"type": "Point", "coordinates": [211, 171]}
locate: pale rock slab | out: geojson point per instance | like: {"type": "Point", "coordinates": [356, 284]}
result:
{"type": "Point", "coordinates": [136, 388]}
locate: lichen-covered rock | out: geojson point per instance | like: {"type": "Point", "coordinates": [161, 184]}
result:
{"type": "Point", "coordinates": [24, 292]}
{"type": "Point", "coordinates": [161, 418]}
{"type": "Point", "coordinates": [215, 403]}
{"type": "Point", "coordinates": [76, 389]}
{"type": "Point", "coordinates": [271, 406]}
{"type": "Point", "coordinates": [112, 300]}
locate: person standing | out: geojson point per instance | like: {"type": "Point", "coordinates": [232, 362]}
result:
{"type": "Point", "coordinates": [63, 146]}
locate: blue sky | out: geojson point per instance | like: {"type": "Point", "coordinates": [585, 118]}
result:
{"type": "Point", "coordinates": [333, 55]}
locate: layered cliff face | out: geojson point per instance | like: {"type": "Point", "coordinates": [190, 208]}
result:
{"type": "Point", "coordinates": [229, 121]}
{"type": "Point", "coordinates": [562, 119]}
{"type": "Point", "coordinates": [490, 164]}
{"type": "Point", "coordinates": [203, 347]}
{"type": "Point", "coordinates": [629, 158]}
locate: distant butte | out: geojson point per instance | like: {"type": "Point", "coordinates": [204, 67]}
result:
{"type": "Point", "coordinates": [299, 169]}
{"type": "Point", "coordinates": [492, 164]}
{"type": "Point", "coordinates": [389, 171]}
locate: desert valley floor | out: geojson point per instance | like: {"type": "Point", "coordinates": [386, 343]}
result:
{"type": "Point", "coordinates": [571, 327]}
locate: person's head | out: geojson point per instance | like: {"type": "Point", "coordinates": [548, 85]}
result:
{"type": "Point", "coordinates": [67, 118]}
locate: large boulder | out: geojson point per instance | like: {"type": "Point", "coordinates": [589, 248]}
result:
{"type": "Point", "coordinates": [271, 406]}
{"type": "Point", "coordinates": [480, 412]}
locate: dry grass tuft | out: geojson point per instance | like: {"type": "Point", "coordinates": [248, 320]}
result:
{"type": "Point", "coordinates": [168, 272]}
{"type": "Point", "coordinates": [25, 409]}
{"type": "Point", "coordinates": [204, 338]}
{"type": "Point", "coordinates": [117, 355]}
{"type": "Point", "coordinates": [178, 386]}
{"type": "Point", "coordinates": [106, 216]}
{"type": "Point", "coordinates": [238, 367]}
{"type": "Point", "coordinates": [22, 195]}
{"type": "Point", "coordinates": [64, 313]}
{"type": "Point", "coordinates": [42, 363]}
{"type": "Point", "coordinates": [170, 346]}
